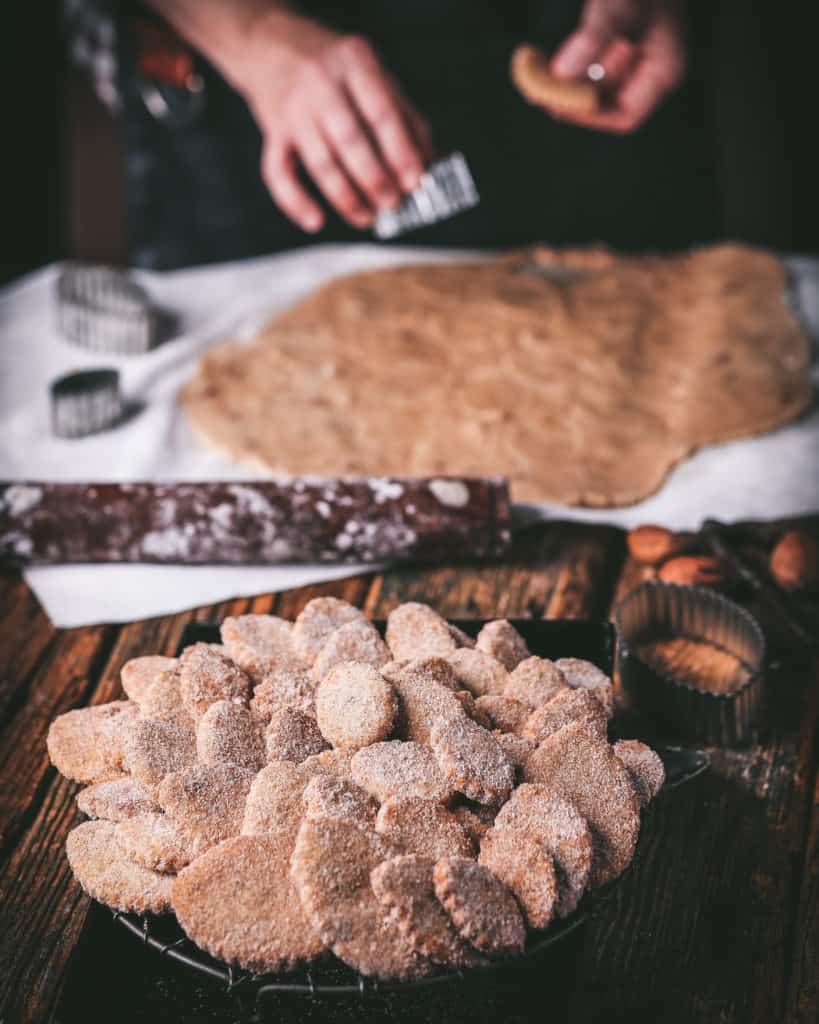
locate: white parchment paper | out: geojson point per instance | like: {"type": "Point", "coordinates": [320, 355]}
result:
{"type": "Point", "coordinates": [770, 476]}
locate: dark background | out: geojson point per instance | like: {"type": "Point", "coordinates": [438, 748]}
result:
{"type": "Point", "coordinates": [62, 167]}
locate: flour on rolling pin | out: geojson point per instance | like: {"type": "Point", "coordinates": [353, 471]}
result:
{"type": "Point", "coordinates": [261, 522]}
{"type": "Point", "coordinates": [446, 188]}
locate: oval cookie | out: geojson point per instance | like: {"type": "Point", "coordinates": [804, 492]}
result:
{"type": "Point", "coordinates": [238, 903]}
{"type": "Point", "coordinates": [106, 875]}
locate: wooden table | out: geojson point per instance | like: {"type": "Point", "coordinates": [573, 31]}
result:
{"type": "Point", "coordinates": [718, 921]}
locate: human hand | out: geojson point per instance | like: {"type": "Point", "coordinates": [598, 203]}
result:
{"type": "Point", "coordinates": [640, 47]}
{"type": "Point", "coordinates": [324, 101]}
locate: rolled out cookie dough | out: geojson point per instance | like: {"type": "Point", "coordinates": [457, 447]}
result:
{"type": "Point", "coordinates": [581, 375]}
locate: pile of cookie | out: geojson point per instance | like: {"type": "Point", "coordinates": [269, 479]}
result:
{"type": "Point", "coordinates": [302, 788]}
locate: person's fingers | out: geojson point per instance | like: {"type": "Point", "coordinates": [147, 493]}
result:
{"type": "Point", "coordinates": [281, 177]}
{"type": "Point", "coordinates": [323, 166]}
{"type": "Point", "coordinates": [356, 152]}
{"type": "Point", "coordinates": [638, 96]}
{"type": "Point", "coordinates": [382, 109]}
{"type": "Point", "coordinates": [420, 132]}
{"type": "Point", "coordinates": [616, 62]}
{"type": "Point", "coordinates": [642, 92]}
{"type": "Point", "coordinates": [584, 47]}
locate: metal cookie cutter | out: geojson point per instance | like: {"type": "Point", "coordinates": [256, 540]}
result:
{"type": "Point", "coordinates": [105, 310]}
{"type": "Point", "coordinates": [86, 402]}
{"type": "Point", "coordinates": [446, 188]}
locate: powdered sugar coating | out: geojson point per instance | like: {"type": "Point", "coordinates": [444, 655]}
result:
{"type": "Point", "coordinates": [328, 796]}
{"type": "Point", "coordinates": [502, 641]}
{"type": "Point", "coordinates": [258, 924]}
{"type": "Point", "coordinates": [88, 744]}
{"type": "Point", "coordinates": [471, 709]}
{"type": "Point", "coordinates": [230, 734]}
{"type": "Point", "coordinates": [317, 621]}
{"type": "Point", "coordinates": [162, 698]}
{"type": "Point", "coordinates": [504, 713]}
{"type": "Point", "coordinates": [275, 801]}
{"type": "Point", "coordinates": [478, 672]}
{"type": "Point", "coordinates": [156, 747]}
{"type": "Point", "coordinates": [403, 769]}
{"type": "Point", "coordinates": [206, 802]}
{"type": "Point", "coordinates": [581, 674]}
{"type": "Point", "coordinates": [331, 867]}
{"type": "Point", "coordinates": [561, 830]}
{"type": "Point", "coordinates": [480, 906]}
{"type": "Point", "coordinates": [567, 707]}
{"type": "Point", "coordinates": [472, 760]}
{"type": "Point", "coordinates": [461, 639]}
{"type": "Point", "coordinates": [284, 688]}
{"type": "Point", "coordinates": [357, 640]}
{"type": "Point", "coordinates": [521, 863]}
{"type": "Point", "coordinates": [644, 766]}
{"type": "Point", "coordinates": [404, 887]}
{"type": "Point", "coordinates": [436, 669]}
{"type": "Point", "coordinates": [585, 771]}
{"type": "Point", "coordinates": [416, 631]}
{"type": "Point", "coordinates": [535, 681]}
{"type": "Point", "coordinates": [106, 875]}
{"type": "Point", "coordinates": [293, 736]}
{"type": "Point", "coordinates": [333, 762]}
{"type": "Point", "coordinates": [423, 827]}
{"type": "Point", "coordinates": [154, 842]}
{"type": "Point", "coordinates": [137, 674]}
{"type": "Point", "coordinates": [259, 644]}
{"type": "Point", "coordinates": [516, 748]}
{"type": "Point", "coordinates": [206, 675]}
{"type": "Point", "coordinates": [355, 706]}
{"type": "Point", "coordinates": [115, 800]}
{"type": "Point", "coordinates": [422, 702]}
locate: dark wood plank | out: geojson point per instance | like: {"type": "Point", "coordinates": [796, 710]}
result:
{"type": "Point", "coordinates": [555, 569]}
{"type": "Point", "coordinates": [43, 911]}
{"type": "Point", "coordinates": [703, 927]}
{"type": "Point", "coordinates": [717, 921]}
{"type": "Point", "coordinates": [803, 996]}
{"type": "Point", "coordinates": [40, 884]}
{"type": "Point", "coordinates": [62, 681]}
{"type": "Point", "coordinates": [353, 589]}
{"type": "Point", "coordinates": [25, 635]}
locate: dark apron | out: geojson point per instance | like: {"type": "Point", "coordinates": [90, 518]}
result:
{"type": "Point", "coordinates": [195, 194]}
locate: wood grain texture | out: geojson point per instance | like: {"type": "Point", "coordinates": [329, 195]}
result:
{"type": "Point", "coordinates": [556, 570]}
{"type": "Point", "coordinates": [25, 633]}
{"type": "Point", "coordinates": [716, 923]}
{"type": "Point", "coordinates": [802, 1005]}
{"type": "Point", "coordinates": [58, 684]}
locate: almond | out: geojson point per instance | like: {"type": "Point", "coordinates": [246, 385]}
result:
{"type": "Point", "coordinates": [794, 561]}
{"type": "Point", "coordinates": [693, 570]}
{"type": "Point", "coordinates": [652, 545]}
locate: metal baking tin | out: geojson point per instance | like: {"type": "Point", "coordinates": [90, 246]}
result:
{"type": "Point", "coordinates": [653, 611]}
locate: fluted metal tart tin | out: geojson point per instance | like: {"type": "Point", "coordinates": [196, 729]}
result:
{"type": "Point", "coordinates": [656, 611]}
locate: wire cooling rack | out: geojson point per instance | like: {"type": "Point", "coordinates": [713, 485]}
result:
{"type": "Point", "coordinates": [330, 976]}
{"type": "Point", "coordinates": [552, 638]}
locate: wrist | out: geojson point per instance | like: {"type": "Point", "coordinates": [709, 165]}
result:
{"type": "Point", "coordinates": [269, 46]}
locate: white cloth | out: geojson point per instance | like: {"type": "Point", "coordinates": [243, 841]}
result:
{"type": "Point", "coordinates": [770, 476]}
